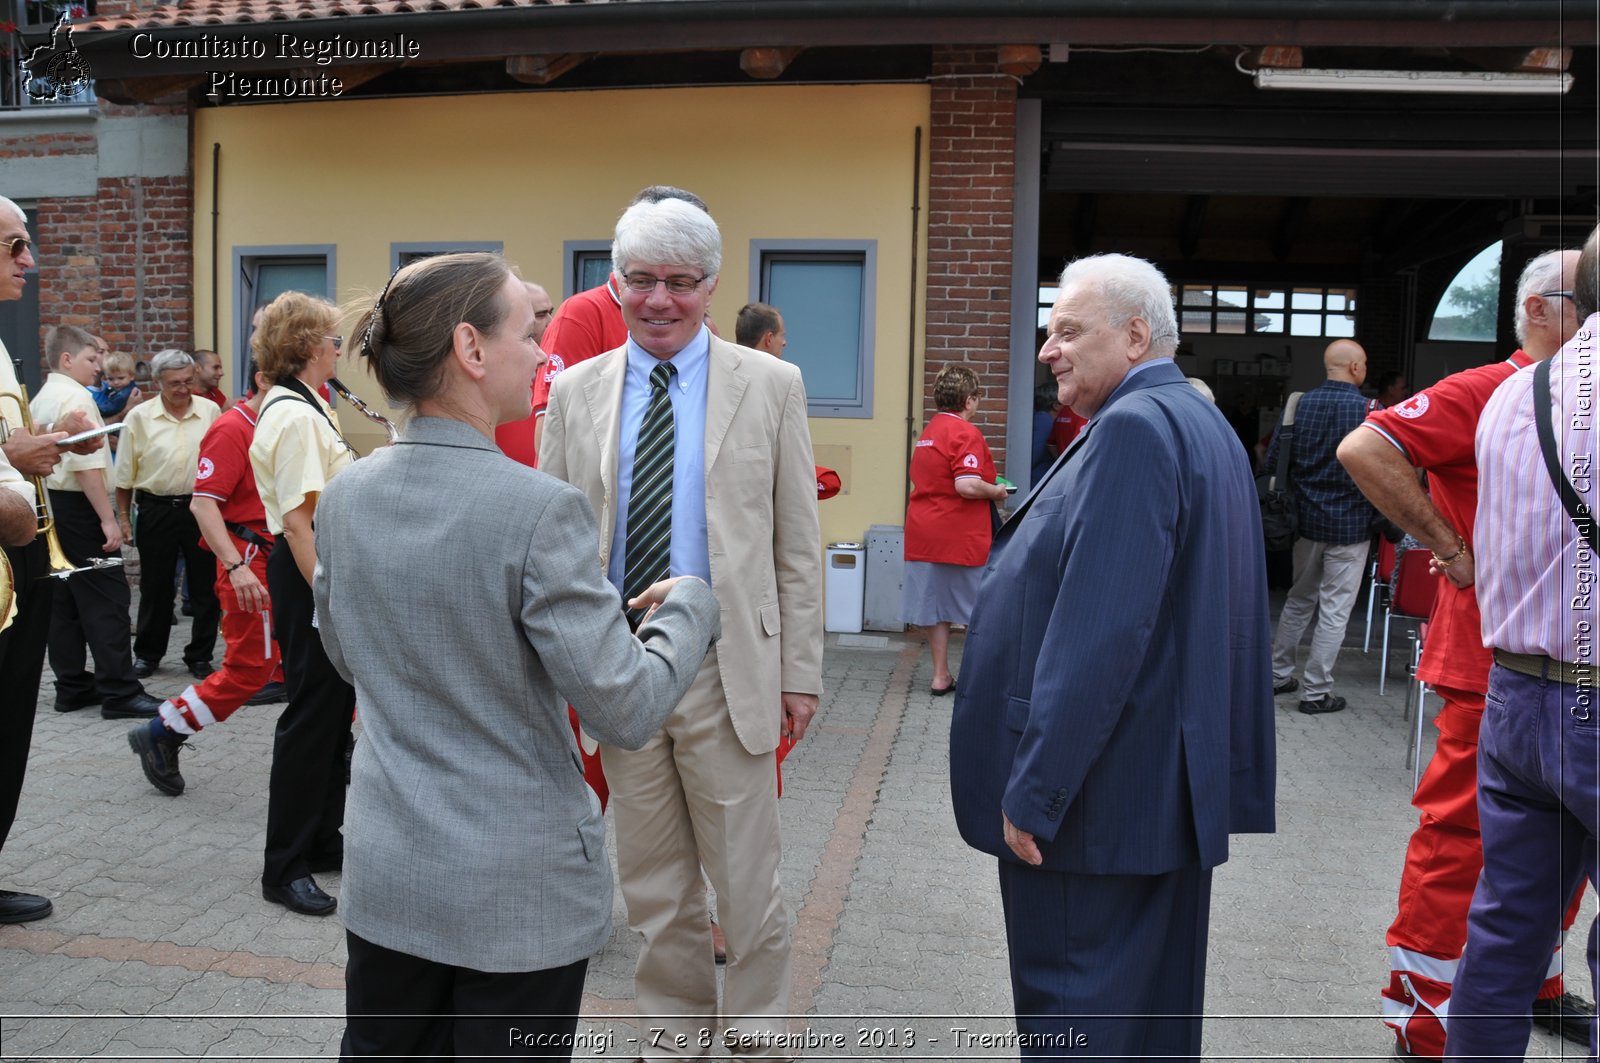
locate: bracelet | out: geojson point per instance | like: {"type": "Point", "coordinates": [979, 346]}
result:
{"type": "Point", "coordinates": [227, 570]}
{"type": "Point", "coordinates": [1446, 562]}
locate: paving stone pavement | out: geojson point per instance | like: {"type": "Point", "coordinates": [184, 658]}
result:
{"type": "Point", "coordinates": [162, 948]}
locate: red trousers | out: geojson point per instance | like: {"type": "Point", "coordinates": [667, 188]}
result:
{"type": "Point", "coordinates": [1441, 870]}
{"type": "Point", "coordinates": [248, 661]}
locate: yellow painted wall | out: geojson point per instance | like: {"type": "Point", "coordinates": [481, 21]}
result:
{"type": "Point", "coordinates": [535, 169]}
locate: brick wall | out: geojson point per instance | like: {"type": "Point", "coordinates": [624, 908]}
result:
{"type": "Point", "coordinates": [118, 263]}
{"type": "Point", "coordinates": [970, 206]}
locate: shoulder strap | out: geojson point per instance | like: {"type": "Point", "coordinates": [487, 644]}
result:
{"type": "Point", "coordinates": [1285, 441]}
{"type": "Point", "coordinates": [1580, 514]}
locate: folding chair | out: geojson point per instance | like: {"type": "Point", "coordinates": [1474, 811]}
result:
{"type": "Point", "coordinates": [1414, 589]}
{"type": "Point", "coordinates": [1382, 573]}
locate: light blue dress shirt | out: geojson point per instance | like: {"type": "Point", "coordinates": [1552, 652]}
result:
{"type": "Point", "coordinates": [690, 552]}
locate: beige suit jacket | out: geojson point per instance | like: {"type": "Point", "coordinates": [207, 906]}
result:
{"type": "Point", "coordinates": [764, 539]}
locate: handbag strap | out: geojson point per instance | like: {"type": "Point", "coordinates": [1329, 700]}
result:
{"type": "Point", "coordinates": [1285, 442]}
{"type": "Point", "coordinates": [1580, 514]}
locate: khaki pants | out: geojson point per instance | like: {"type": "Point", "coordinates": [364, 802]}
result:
{"type": "Point", "coordinates": [693, 797]}
{"type": "Point", "coordinates": [1327, 577]}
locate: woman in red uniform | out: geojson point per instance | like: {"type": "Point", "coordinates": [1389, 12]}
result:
{"type": "Point", "coordinates": [948, 527]}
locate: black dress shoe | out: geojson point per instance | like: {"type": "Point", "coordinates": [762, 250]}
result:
{"type": "Point", "coordinates": [158, 756]}
{"type": "Point", "coordinates": [1567, 1015]}
{"type": "Point", "coordinates": [144, 669]}
{"type": "Point", "coordinates": [303, 895]}
{"type": "Point", "coordinates": [200, 669]}
{"type": "Point", "coordinates": [23, 907]}
{"type": "Point", "coordinates": [140, 706]}
{"type": "Point", "coordinates": [82, 701]}
{"type": "Point", "coordinates": [269, 695]}
{"type": "Point", "coordinates": [1326, 703]}
{"type": "Point", "coordinates": [1288, 686]}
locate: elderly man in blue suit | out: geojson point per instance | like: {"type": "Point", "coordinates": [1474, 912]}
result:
{"type": "Point", "coordinates": [1113, 723]}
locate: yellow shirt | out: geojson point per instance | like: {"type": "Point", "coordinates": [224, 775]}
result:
{"type": "Point", "coordinates": [158, 453]}
{"type": "Point", "coordinates": [294, 454]}
{"type": "Point", "coordinates": [59, 396]}
{"type": "Point", "coordinates": [11, 418]}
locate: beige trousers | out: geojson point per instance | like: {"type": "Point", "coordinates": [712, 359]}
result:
{"type": "Point", "coordinates": [692, 798]}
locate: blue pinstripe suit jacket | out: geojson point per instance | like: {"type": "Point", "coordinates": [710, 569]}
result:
{"type": "Point", "coordinates": [1116, 686]}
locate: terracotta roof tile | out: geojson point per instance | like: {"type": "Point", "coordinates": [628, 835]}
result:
{"type": "Point", "coordinates": [239, 12]}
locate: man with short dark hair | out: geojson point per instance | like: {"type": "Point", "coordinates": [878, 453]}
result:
{"type": "Point", "coordinates": [208, 377]}
{"type": "Point", "coordinates": [761, 326]}
{"type": "Point", "coordinates": [1539, 747]}
{"type": "Point", "coordinates": [1391, 390]}
{"type": "Point", "coordinates": [1335, 529]}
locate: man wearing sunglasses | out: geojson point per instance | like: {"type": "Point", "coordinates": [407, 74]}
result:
{"type": "Point", "coordinates": [22, 644]}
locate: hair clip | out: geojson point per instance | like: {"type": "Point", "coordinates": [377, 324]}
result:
{"type": "Point", "coordinates": [377, 308]}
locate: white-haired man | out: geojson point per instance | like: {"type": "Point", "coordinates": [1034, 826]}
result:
{"type": "Point", "coordinates": [1433, 430]}
{"type": "Point", "coordinates": [22, 643]}
{"type": "Point", "coordinates": [1105, 754]}
{"type": "Point", "coordinates": [696, 456]}
{"type": "Point", "coordinates": [156, 462]}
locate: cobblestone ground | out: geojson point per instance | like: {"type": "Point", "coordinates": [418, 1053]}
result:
{"type": "Point", "coordinates": [162, 948]}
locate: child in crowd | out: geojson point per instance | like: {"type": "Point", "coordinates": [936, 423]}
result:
{"type": "Point", "coordinates": [118, 392]}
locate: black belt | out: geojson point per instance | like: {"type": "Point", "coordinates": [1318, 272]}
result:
{"type": "Point", "coordinates": [250, 535]}
{"type": "Point", "coordinates": [1576, 675]}
{"type": "Point", "coordinates": [163, 500]}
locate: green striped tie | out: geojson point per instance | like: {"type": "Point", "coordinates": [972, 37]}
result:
{"type": "Point", "coordinates": [650, 497]}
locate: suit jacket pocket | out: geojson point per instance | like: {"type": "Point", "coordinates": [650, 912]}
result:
{"type": "Point", "coordinates": [769, 619]}
{"type": "Point", "coordinates": [753, 452]}
{"type": "Point", "coordinates": [592, 838]}
{"type": "Point", "coordinates": [1017, 712]}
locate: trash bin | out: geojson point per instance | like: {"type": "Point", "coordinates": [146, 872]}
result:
{"type": "Point", "coordinates": [846, 587]}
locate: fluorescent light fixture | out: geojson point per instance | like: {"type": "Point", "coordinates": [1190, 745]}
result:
{"type": "Point", "coordinates": [1483, 84]}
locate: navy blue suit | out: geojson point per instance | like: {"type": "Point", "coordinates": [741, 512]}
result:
{"type": "Point", "coordinates": [1115, 700]}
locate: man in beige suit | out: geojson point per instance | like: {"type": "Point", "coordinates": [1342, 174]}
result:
{"type": "Point", "coordinates": [696, 457]}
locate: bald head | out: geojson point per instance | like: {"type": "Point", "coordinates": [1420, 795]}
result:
{"type": "Point", "coordinates": [1345, 360]}
{"type": "Point", "coordinates": [1586, 279]}
{"type": "Point", "coordinates": [543, 310]}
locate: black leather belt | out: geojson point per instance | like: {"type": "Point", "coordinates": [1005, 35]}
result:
{"type": "Point", "coordinates": [144, 497]}
{"type": "Point", "coordinates": [1572, 675]}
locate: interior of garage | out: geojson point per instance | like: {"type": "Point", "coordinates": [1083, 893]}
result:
{"type": "Point", "coordinates": [1285, 218]}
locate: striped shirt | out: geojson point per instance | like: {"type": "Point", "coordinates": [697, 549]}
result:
{"type": "Point", "coordinates": [1535, 574]}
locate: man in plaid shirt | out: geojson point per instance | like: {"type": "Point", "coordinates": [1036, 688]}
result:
{"type": "Point", "coordinates": [1335, 529]}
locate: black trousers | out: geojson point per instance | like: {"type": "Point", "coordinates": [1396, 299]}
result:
{"type": "Point", "coordinates": [404, 1007]}
{"type": "Point", "coordinates": [90, 610]}
{"type": "Point", "coordinates": [305, 793]}
{"type": "Point", "coordinates": [166, 531]}
{"type": "Point", "coordinates": [21, 663]}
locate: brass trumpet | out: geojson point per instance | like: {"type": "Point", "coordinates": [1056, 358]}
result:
{"type": "Point", "coordinates": [367, 411]}
{"type": "Point", "coordinates": [60, 566]}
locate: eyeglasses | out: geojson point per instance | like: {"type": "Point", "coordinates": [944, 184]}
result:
{"type": "Point", "coordinates": [18, 246]}
{"type": "Point", "coordinates": [1555, 295]}
{"type": "Point", "coordinates": [338, 342]}
{"type": "Point", "coordinates": [678, 284]}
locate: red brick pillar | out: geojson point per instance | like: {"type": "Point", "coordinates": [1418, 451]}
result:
{"type": "Point", "coordinates": [119, 264]}
{"type": "Point", "coordinates": [970, 206]}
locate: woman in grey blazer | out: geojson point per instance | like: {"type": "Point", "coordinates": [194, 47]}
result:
{"type": "Point", "coordinates": [462, 594]}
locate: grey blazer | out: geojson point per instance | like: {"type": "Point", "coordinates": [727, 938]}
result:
{"type": "Point", "coordinates": [460, 593]}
